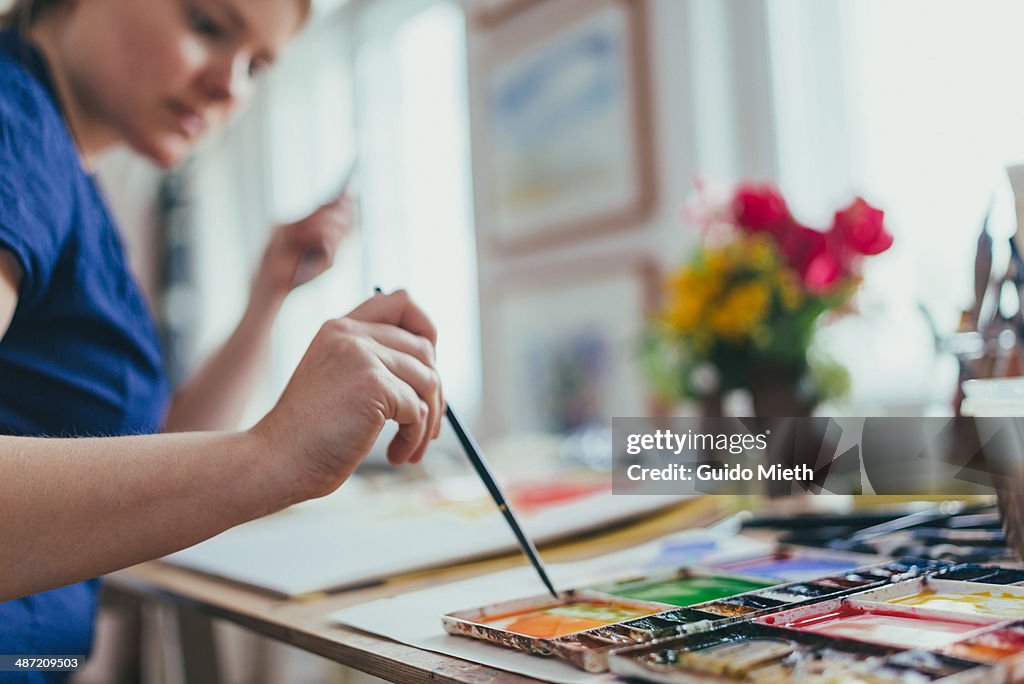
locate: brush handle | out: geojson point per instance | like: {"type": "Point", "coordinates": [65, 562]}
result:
{"type": "Point", "coordinates": [476, 457]}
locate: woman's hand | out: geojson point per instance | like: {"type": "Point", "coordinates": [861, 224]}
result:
{"type": "Point", "coordinates": [375, 364]}
{"type": "Point", "coordinates": [299, 252]}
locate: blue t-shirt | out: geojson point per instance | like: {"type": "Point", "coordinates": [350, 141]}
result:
{"type": "Point", "coordinates": [81, 356]}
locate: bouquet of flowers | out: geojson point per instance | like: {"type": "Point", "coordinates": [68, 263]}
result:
{"type": "Point", "coordinates": [742, 311]}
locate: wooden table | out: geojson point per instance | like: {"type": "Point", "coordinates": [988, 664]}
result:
{"type": "Point", "coordinates": [302, 622]}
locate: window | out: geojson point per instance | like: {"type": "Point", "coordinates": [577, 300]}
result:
{"type": "Point", "coordinates": [913, 104]}
{"type": "Point", "coordinates": [416, 198]}
{"type": "Point", "coordinates": [385, 82]}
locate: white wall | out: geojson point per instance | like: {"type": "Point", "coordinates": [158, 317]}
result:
{"type": "Point", "coordinates": [712, 114]}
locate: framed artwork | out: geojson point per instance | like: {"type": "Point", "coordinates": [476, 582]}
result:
{"type": "Point", "coordinates": [563, 118]}
{"type": "Point", "coordinates": [563, 349]}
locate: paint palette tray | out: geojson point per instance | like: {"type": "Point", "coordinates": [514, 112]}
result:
{"type": "Point", "coordinates": [937, 593]}
{"type": "Point", "coordinates": [886, 623]}
{"type": "Point", "coordinates": [987, 574]}
{"type": "Point", "coordinates": [750, 652]}
{"type": "Point", "coordinates": [590, 650]}
{"type": "Point", "coordinates": [934, 618]}
{"type": "Point", "coordinates": [528, 624]}
{"type": "Point", "coordinates": [790, 563]}
{"type": "Point", "coordinates": [684, 601]}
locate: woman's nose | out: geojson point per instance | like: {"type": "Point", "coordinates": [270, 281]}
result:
{"type": "Point", "coordinates": [226, 82]}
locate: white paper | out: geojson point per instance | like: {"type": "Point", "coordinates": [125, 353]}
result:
{"type": "Point", "coordinates": [358, 537]}
{"type": "Point", "coordinates": [415, 618]}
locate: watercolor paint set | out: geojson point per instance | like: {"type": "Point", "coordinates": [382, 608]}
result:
{"type": "Point", "coordinates": [588, 624]}
{"type": "Point", "coordinates": [750, 652]}
{"type": "Point", "coordinates": [934, 627]}
{"type": "Point", "coordinates": [791, 563]}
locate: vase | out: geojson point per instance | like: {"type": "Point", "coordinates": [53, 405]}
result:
{"type": "Point", "coordinates": [779, 390]}
{"type": "Point", "coordinates": [712, 405]}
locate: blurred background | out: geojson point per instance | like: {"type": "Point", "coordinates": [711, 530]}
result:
{"type": "Point", "coordinates": [523, 170]}
{"type": "Point", "coordinates": [910, 104]}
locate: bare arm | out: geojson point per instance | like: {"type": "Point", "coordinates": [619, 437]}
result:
{"type": "Point", "coordinates": [77, 508]}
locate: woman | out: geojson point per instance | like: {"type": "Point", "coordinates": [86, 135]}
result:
{"type": "Point", "coordinates": [78, 351]}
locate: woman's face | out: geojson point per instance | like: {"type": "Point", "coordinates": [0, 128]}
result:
{"type": "Point", "coordinates": [157, 74]}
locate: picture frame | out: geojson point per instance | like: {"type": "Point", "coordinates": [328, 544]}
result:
{"type": "Point", "coordinates": [562, 349]}
{"type": "Point", "coordinates": [563, 119]}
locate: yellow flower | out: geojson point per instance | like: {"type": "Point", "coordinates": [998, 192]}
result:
{"type": "Point", "coordinates": [716, 262]}
{"type": "Point", "coordinates": [760, 253]}
{"type": "Point", "coordinates": [689, 294]}
{"type": "Point", "coordinates": [742, 311]}
{"type": "Point", "coordinates": [790, 290]}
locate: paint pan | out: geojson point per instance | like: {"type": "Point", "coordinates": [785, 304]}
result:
{"type": "Point", "coordinates": [893, 625]}
{"type": "Point", "coordinates": [986, 574]}
{"type": "Point", "coordinates": [886, 573]}
{"type": "Point", "coordinates": [672, 623]}
{"type": "Point", "coordinates": [524, 624]}
{"type": "Point", "coordinates": [917, 566]}
{"type": "Point", "coordinates": [747, 652]}
{"type": "Point", "coordinates": [784, 596]}
{"type": "Point", "coordinates": [993, 645]}
{"type": "Point", "coordinates": [590, 650]}
{"type": "Point", "coordinates": [684, 587]}
{"type": "Point", "coordinates": [779, 597]}
{"type": "Point", "coordinates": [728, 610]}
{"type": "Point", "coordinates": [916, 666]}
{"type": "Point", "coordinates": [790, 564]}
{"type": "Point", "coordinates": [930, 593]}
{"type": "Point", "coordinates": [1002, 647]}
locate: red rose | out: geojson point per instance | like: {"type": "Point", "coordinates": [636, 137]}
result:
{"type": "Point", "coordinates": [822, 273]}
{"type": "Point", "coordinates": [813, 256]}
{"type": "Point", "coordinates": [860, 227]}
{"type": "Point", "coordinates": [801, 245]}
{"type": "Point", "coordinates": [759, 207]}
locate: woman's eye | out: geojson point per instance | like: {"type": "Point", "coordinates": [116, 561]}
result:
{"type": "Point", "coordinates": [203, 25]}
{"type": "Point", "coordinates": [257, 67]}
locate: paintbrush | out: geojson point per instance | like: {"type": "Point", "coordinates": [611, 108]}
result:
{"type": "Point", "coordinates": [982, 269]}
{"type": "Point", "coordinates": [943, 511]}
{"type": "Point", "coordinates": [476, 457]}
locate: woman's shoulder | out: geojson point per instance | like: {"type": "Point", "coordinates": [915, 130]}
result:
{"type": "Point", "coordinates": [37, 153]}
{"type": "Point", "coordinates": [25, 103]}
{"type": "Point", "coordinates": [31, 125]}
{"type": "Point", "coordinates": [38, 167]}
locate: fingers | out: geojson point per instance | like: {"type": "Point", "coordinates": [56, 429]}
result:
{"type": "Point", "coordinates": [426, 384]}
{"type": "Point", "coordinates": [397, 338]}
{"type": "Point", "coordinates": [323, 230]}
{"type": "Point", "coordinates": [411, 358]}
{"type": "Point", "coordinates": [407, 340]}
{"type": "Point", "coordinates": [396, 308]}
{"type": "Point", "coordinates": [411, 416]}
